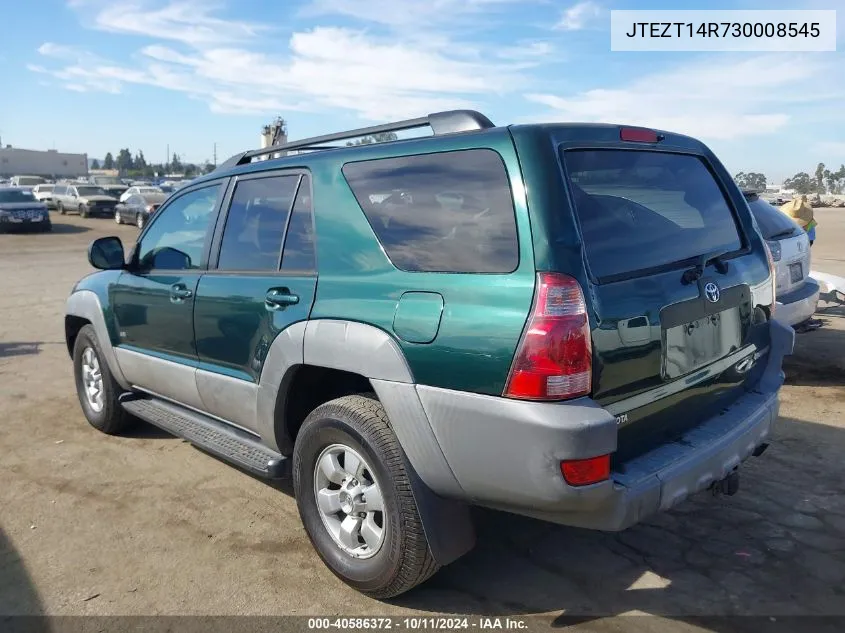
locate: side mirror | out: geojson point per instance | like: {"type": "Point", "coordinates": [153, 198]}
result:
{"type": "Point", "coordinates": [106, 253]}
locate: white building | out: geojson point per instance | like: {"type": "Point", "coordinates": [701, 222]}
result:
{"type": "Point", "coordinates": [50, 164]}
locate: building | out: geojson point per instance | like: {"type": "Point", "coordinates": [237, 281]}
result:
{"type": "Point", "coordinates": [50, 164]}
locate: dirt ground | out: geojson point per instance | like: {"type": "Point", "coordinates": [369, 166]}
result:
{"type": "Point", "coordinates": [147, 525]}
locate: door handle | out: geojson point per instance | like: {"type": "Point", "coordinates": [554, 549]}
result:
{"type": "Point", "coordinates": [279, 298]}
{"type": "Point", "coordinates": [180, 292]}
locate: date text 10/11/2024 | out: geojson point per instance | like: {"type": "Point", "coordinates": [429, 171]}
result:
{"type": "Point", "coordinates": [432, 623]}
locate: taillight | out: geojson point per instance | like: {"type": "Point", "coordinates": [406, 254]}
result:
{"type": "Point", "coordinates": [583, 472]}
{"type": "Point", "coordinates": [772, 278]}
{"type": "Point", "coordinates": [554, 360]}
{"type": "Point", "coordinates": [638, 135]}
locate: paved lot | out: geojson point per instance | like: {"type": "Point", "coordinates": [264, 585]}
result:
{"type": "Point", "coordinates": [146, 524]}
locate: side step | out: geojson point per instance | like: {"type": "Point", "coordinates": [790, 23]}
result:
{"type": "Point", "coordinates": [217, 438]}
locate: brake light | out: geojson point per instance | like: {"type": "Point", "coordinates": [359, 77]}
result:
{"type": "Point", "coordinates": [639, 135]}
{"type": "Point", "coordinates": [554, 360]}
{"type": "Point", "coordinates": [772, 278]}
{"type": "Point", "coordinates": [583, 472]}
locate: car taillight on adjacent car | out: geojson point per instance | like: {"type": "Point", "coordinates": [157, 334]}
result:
{"type": "Point", "coordinates": [772, 277]}
{"type": "Point", "coordinates": [554, 357]}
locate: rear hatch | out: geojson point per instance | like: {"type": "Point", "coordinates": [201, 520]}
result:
{"type": "Point", "coordinates": [788, 243]}
{"type": "Point", "coordinates": [672, 276]}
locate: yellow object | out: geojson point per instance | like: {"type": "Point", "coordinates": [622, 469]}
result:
{"type": "Point", "coordinates": [799, 209]}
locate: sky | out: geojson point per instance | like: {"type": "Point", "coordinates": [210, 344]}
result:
{"type": "Point", "coordinates": [94, 76]}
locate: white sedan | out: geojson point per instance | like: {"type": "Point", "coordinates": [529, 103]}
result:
{"type": "Point", "coordinates": [797, 292]}
{"type": "Point", "coordinates": [139, 191]}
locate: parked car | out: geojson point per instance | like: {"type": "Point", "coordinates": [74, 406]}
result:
{"type": "Point", "coordinates": [86, 200]}
{"type": "Point", "coordinates": [21, 211]}
{"type": "Point", "coordinates": [26, 182]}
{"type": "Point", "coordinates": [135, 190]}
{"type": "Point", "coordinates": [112, 185]}
{"type": "Point", "coordinates": [44, 193]}
{"type": "Point", "coordinates": [138, 208]}
{"type": "Point", "coordinates": [789, 244]}
{"type": "Point", "coordinates": [567, 321]}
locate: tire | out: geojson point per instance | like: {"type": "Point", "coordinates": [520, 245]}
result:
{"type": "Point", "coordinates": [109, 417]}
{"type": "Point", "coordinates": [402, 559]}
{"type": "Point", "coordinates": [117, 217]}
{"type": "Point", "coordinates": [139, 221]}
{"type": "Point", "coordinates": [48, 227]}
{"type": "Point", "coordinates": [83, 211]}
{"type": "Point", "coordinates": [60, 208]}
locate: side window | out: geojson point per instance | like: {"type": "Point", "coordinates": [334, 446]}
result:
{"type": "Point", "coordinates": [134, 201]}
{"type": "Point", "coordinates": [299, 241]}
{"type": "Point", "coordinates": [71, 191]}
{"type": "Point", "coordinates": [255, 224]}
{"type": "Point", "coordinates": [60, 190]}
{"type": "Point", "coordinates": [176, 239]}
{"type": "Point", "coordinates": [444, 212]}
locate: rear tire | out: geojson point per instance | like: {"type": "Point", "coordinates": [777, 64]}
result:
{"type": "Point", "coordinates": [96, 388]}
{"type": "Point", "coordinates": [117, 217]}
{"type": "Point", "coordinates": [383, 553]}
{"type": "Point", "coordinates": [83, 211]}
{"type": "Point", "coordinates": [60, 208]}
{"type": "Point", "coordinates": [139, 221]}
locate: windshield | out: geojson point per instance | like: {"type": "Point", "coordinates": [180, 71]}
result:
{"type": "Point", "coordinates": [772, 221]}
{"type": "Point", "coordinates": [90, 191]}
{"type": "Point", "coordinates": [644, 209]}
{"type": "Point", "coordinates": [15, 195]}
{"type": "Point", "coordinates": [29, 181]}
{"type": "Point", "coordinates": [106, 180]}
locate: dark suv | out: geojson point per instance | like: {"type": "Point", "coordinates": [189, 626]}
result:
{"type": "Point", "coordinates": [571, 322]}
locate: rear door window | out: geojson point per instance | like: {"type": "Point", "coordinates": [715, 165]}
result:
{"type": "Point", "coordinates": [255, 224]}
{"type": "Point", "coordinates": [640, 210]}
{"type": "Point", "coordinates": [444, 212]}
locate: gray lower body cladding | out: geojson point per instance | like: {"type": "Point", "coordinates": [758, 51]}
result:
{"type": "Point", "coordinates": [506, 454]}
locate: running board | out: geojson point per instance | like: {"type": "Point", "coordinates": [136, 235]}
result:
{"type": "Point", "coordinates": [221, 440]}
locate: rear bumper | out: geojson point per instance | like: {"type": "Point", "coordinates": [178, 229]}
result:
{"type": "Point", "coordinates": [506, 454]}
{"type": "Point", "coordinates": [799, 305]}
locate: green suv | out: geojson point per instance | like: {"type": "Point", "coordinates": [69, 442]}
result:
{"type": "Point", "coordinates": [566, 321]}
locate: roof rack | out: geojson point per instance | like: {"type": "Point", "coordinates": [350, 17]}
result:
{"type": "Point", "coordinates": [448, 122]}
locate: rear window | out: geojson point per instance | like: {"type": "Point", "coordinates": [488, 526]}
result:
{"type": "Point", "coordinates": [772, 222]}
{"type": "Point", "coordinates": [15, 195]}
{"type": "Point", "coordinates": [642, 209]}
{"type": "Point", "coordinates": [445, 212]}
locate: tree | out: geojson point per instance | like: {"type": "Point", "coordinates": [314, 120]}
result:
{"type": "Point", "coordinates": [820, 179]}
{"type": "Point", "coordinates": [800, 182]}
{"type": "Point", "coordinates": [108, 161]}
{"type": "Point", "coordinates": [95, 164]}
{"type": "Point", "coordinates": [124, 160]}
{"type": "Point", "coordinates": [752, 181]}
{"type": "Point", "coordinates": [208, 167]}
{"type": "Point", "coordinates": [176, 164]}
{"type": "Point", "coordinates": [382, 137]}
{"type": "Point", "coordinates": [140, 161]}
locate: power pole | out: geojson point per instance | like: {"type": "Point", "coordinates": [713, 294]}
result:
{"type": "Point", "coordinates": [167, 158]}
{"type": "Point", "coordinates": [215, 154]}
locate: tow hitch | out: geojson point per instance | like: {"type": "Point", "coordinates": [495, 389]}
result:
{"type": "Point", "coordinates": [727, 486]}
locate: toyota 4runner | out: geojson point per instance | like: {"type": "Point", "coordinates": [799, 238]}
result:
{"type": "Point", "coordinates": [567, 321]}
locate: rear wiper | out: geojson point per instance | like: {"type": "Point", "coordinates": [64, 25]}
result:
{"type": "Point", "coordinates": [782, 234]}
{"type": "Point", "coordinates": [694, 274]}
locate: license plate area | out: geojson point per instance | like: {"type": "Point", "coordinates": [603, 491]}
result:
{"type": "Point", "coordinates": [796, 272]}
{"type": "Point", "coordinates": [692, 345]}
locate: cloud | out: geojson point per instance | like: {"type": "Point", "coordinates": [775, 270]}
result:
{"type": "Point", "coordinates": [579, 16]}
{"type": "Point", "coordinates": [377, 76]}
{"type": "Point", "coordinates": [713, 98]}
{"type": "Point", "coordinates": [188, 22]}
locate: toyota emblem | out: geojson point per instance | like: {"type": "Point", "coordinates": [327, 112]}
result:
{"type": "Point", "coordinates": [711, 291]}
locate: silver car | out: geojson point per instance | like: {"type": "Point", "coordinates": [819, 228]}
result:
{"type": "Point", "coordinates": [797, 292]}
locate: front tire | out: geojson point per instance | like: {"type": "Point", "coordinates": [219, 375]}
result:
{"type": "Point", "coordinates": [96, 388]}
{"type": "Point", "coordinates": [83, 211]}
{"type": "Point", "coordinates": [117, 217]}
{"type": "Point", "coordinates": [354, 497]}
